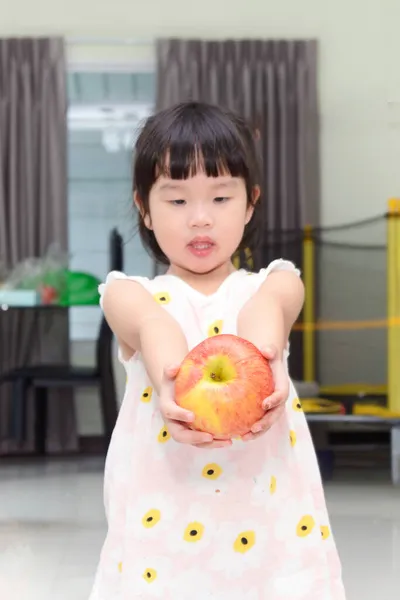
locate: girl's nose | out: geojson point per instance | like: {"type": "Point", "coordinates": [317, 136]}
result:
{"type": "Point", "coordinates": [200, 217]}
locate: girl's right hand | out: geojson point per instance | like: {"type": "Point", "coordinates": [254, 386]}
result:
{"type": "Point", "coordinates": [178, 419]}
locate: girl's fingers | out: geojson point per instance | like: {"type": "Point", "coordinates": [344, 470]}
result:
{"type": "Point", "coordinates": [269, 352]}
{"type": "Point", "coordinates": [215, 444]}
{"type": "Point", "coordinates": [172, 412]}
{"type": "Point", "coordinates": [171, 372]}
{"type": "Point", "coordinates": [265, 423]}
{"type": "Point", "coordinates": [250, 437]}
{"type": "Point", "coordinates": [183, 435]}
{"type": "Point", "coordinates": [273, 401]}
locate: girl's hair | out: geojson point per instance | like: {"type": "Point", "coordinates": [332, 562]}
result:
{"type": "Point", "coordinates": [188, 138]}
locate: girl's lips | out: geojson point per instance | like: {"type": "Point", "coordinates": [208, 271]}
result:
{"type": "Point", "coordinates": [201, 248]}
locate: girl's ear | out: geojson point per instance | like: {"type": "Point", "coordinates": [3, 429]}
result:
{"type": "Point", "coordinates": [255, 196]}
{"type": "Point", "coordinates": [139, 205]}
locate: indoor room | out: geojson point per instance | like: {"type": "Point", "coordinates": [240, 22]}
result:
{"type": "Point", "coordinates": [110, 120]}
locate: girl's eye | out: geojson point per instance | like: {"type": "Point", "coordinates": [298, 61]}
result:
{"type": "Point", "coordinates": [220, 199]}
{"type": "Point", "coordinates": [177, 202]}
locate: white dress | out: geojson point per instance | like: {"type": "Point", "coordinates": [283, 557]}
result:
{"type": "Point", "coordinates": [248, 522]}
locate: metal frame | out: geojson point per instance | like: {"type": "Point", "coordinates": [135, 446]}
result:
{"type": "Point", "coordinates": [393, 424]}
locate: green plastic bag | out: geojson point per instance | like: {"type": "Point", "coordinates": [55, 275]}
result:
{"type": "Point", "coordinates": [81, 289]}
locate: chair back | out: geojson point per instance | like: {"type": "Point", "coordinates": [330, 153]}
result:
{"type": "Point", "coordinates": [104, 357]}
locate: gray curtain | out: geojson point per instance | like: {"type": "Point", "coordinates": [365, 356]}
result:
{"type": "Point", "coordinates": [33, 215]}
{"type": "Point", "coordinates": [273, 84]}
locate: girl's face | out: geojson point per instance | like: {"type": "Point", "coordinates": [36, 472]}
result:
{"type": "Point", "coordinates": [199, 222]}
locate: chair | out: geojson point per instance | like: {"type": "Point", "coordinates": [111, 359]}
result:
{"type": "Point", "coordinates": [41, 378]}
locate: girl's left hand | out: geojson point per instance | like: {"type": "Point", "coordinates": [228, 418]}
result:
{"type": "Point", "coordinates": [275, 404]}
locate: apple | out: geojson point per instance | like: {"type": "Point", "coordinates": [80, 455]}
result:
{"type": "Point", "coordinates": [224, 381]}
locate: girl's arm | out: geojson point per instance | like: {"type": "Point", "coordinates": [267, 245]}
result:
{"type": "Point", "coordinates": [266, 320]}
{"type": "Point", "coordinates": [268, 317]}
{"type": "Point", "coordinates": [140, 324]}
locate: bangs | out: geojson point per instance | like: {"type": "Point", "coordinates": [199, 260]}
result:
{"type": "Point", "coordinates": [193, 138]}
{"type": "Point", "coordinates": [200, 145]}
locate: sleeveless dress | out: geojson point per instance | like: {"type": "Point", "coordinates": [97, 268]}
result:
{"type": "Point", "coordinates": [248, 522]}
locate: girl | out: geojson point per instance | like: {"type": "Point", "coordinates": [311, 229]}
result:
{"type": "Point", "coordinates": [190, 517]}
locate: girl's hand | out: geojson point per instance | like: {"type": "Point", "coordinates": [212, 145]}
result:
{"type": "Point", "coordinates": [275, 404]}
{"type": "Point", "coordinates": [178, 419]}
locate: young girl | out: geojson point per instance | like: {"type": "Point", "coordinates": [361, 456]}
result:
{"type": "Point", "coordinates": [190, 517]}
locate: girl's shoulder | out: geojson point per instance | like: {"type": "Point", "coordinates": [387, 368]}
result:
{"type": "Point", "coordinates": [146, 282]}
{"type": "Point", "coordinates": [165, 287]}
{"type": "Point", "coordinates": [160, 286]}
{"type": "Point", "coordinates": [252, 280]}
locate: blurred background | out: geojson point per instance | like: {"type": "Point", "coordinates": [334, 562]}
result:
{"type": "Point", "coordinates": [320, 86]}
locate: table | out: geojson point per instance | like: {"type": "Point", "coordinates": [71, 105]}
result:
{"type": "Point", "coordinates": [392, 424]}
{"type": "Point", "coordinates": [102, 371]}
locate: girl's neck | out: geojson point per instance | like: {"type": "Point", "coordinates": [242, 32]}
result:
{"type": "Point", "coordinates": [206, 283]}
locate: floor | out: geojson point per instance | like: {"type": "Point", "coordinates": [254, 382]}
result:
{"type": "Point", "coordinates": [52, 528]}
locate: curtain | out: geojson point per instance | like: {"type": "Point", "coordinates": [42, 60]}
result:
{"type": "Point", "coordinates": [273, 84]}
{"type": "Point", "coordinates": [33, 216]}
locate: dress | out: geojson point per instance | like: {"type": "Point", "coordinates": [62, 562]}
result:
{"type": "Point", "coordinates": [248, 522]}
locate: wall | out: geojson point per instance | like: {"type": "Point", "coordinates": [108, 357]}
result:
{"type": "Point", "coordinates": [359, 82]}
{"type": "Point", "coordinates": [359, 44]}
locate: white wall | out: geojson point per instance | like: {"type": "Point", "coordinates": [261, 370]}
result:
{"type": "Point", "coordinates": [359, 74]}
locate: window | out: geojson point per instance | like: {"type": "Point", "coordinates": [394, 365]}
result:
{"type": "Point", "coordinates": [105, 111]}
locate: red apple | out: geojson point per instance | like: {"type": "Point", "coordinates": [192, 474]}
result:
{"type": "Point", "coordinates": [224, 381]}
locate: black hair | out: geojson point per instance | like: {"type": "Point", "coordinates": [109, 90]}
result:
{"type": "Point", "coordinates": [188, 138]}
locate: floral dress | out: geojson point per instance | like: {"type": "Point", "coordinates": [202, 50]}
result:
{"type": "Point", "coordinates": [247, 522]}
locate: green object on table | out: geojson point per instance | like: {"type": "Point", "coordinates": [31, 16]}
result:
{"type": "Point", "coordinates": [62, 287]}
{"type": "Point", "coordinates": [81, 289]}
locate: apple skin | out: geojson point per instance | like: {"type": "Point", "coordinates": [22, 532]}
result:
{"type": "Point", "coordinates": [224, 381]}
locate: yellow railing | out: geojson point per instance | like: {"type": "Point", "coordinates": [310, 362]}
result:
{"type": "Point", "coordinates": [393, 297]}
{"type": "Point", "coordinates": [309, 316]}
{"type": "Point", "coordinates": [310, 324]}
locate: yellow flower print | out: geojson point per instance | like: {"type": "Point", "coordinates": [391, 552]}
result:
{"type": "Point", "coordinates": [293, 437]}
{"type": "Point", "coordinates": [120, 567]}
{"type": "Point", "coordinates": [244, 542]}
{"type": "Point", "coordinates": [193, 532]}
{"type": "Point", "coordinates": [325, 532]}
{"type": "Point", "coordinates": [164, 435]}
{"type": "Point", "coordinates": [212, 471]}
{"type": "Point", "coordinates": [146, 396]}
{"type": "Point", "coordinates": [162, 298]}
{"type": "Point", "coordinates": [144, 518]}
{"type": "Point", "coordinates": [151, 518]}
{"type": "Point", "coordinates": [296, 405]}
{"type": "Point", "coordinates": [305, 526]}
{"type": "Point", "coordinates": [149, 575]}
{"type": "Point", "coordinates": [215, 328]}
{"type": "Point", "coordinates": [272, 485]}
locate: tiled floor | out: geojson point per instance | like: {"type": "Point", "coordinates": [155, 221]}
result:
{"type": "Point", "coordinates": [52, 528]}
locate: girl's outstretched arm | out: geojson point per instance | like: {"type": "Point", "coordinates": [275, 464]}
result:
{"type": "Point", "coordinates": [266, 320]}
{"type": "Point", "coordinates": [140, 324]}
{"type": "Point", "coordinates": [268, 317]}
